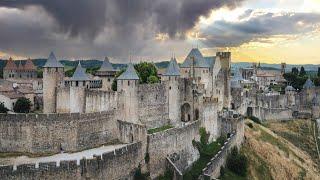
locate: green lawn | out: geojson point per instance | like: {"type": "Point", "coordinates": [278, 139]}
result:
{"type": "Point", "coordinates": [163, 128]}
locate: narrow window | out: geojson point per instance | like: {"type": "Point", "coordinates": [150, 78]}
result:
{"type": "Point", "coordinates": [128, 83]}
{"type": "Point", "coordinates": [77, 83]}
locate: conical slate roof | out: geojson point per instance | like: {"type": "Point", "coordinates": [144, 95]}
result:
{"type": "Point", "coordinates": [10, 65]}
{"type": "Point", "coordinates": [106, 65]}
{"type": "Point", "coordinates": [200, 62]}
{"type": "Point", "coordinates": [308, 84]}
{"type": "Point", "coordinates": [129, 74]}
{"type": "Point", "coordinates": [80, 74]}
{"type": "Point", "coordinates": [52, 62]}
{"type": "Point", "coordinates": [172, 69]}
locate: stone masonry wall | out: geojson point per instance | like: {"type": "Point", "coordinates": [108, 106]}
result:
{"type": "Point", "coordinates": [120, 164]}
{"type": "Point", "coordinates": [97, 101]}
{"type": "Point", "coordinates": [49, 133]}
{"type": "Point", "coordinates": [153, 105]}
{"type": "Point", "coordinates": [175, 140]}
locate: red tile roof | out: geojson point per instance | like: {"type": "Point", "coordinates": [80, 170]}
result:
{"type": "Point", "coordinates": [29, 65]}
{"type": "Point", "coordinates": [10, 65]}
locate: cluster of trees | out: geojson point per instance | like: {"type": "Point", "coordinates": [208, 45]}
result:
{"type": "Point", "coordinates": [297, 78]}
{"type": "Point", "coordinates": [146, 71]}
{"type": "Point", "coordinates": [22, 105]}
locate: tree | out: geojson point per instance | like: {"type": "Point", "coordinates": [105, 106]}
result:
{"type": "Point", "coordinates": [302, 71]}
{"type": "Point", "coordinates": [145, 70]}
{"type": "Point", "coordinates": [318, 71]}
{"type": "Point", "coordinates": [295, 71]}
{"type": "Point", "coordinates": [152, 79]}
{"type": "Point", "coordinates": [23, 105]}
{"type": "Point", "coordinates": [3, 108]}
{"type": "Point", "coordinates": [237, 162]}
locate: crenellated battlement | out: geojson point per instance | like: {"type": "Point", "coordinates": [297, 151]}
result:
{"type": "Point", "coordinates": [52, 117]}
{"type": "Point", "coordinates": [125, 158]}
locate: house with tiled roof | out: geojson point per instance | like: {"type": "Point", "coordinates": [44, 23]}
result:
{"type": "Point", "coordinates": [24, 70]}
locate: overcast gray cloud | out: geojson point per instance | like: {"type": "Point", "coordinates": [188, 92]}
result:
{"type": "Point", "coordinates": [255, 26]}
{"type": "Point", "coordinates": [94, 28]}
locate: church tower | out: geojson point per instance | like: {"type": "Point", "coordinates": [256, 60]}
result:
{"type": "Point", "coordinates": [53, 74]}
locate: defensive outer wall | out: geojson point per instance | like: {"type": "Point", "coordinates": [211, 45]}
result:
{"type": "Point", "coordinates": [120, 164]}
{"type": "Point", "coordinates": [51, 133]}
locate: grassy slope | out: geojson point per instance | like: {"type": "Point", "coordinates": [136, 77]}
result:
{"type": "Point", "coordinates": [273, 157]}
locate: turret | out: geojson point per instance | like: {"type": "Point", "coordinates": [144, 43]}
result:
{"type": "Point", "coordinates": [225, 60]}
{"type": "Point", "coordinates": [79, 83]}
{"type": "Point", "coordinates": [107, 74]}
{"type": "Point", "coordinates": [53, 74]}
{"type": "Point", "coordinates": [171, 78]}
{"type": "Point", "coordinates": [127, 84]}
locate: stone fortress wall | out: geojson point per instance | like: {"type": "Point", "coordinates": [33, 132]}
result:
{"type": "Point", "coordinates": [176, 140]}
{"type": "Point", "coordinates": [124, 115]}
{"type": "Point", "coordinates": [119, 164]}
{"type": "Point", "coordinates": [153, 105]}
{"type": "Point", "coordinates": [51, 133]}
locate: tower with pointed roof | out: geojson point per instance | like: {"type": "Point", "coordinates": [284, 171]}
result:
{"type": "Point", "coordinates": [79, 82]}
{"type": "Point", "coordinates": [171, 79]}
{"type": "Point", "coordinates": [127, 85]}
{"type": "Point", "coordinates": [107, 73]}
{"type": "Point", "coordinates": [53, 74]}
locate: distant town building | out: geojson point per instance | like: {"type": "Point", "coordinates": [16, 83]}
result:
{"type": "Point", "coordinates": [20, 71]}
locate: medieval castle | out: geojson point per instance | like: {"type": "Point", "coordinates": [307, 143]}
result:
{"type": "Point", "coordinates": [89, 131]}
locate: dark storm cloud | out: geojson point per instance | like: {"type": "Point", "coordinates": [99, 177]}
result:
{"type": "Point", "coordinates": [259, 25]}
{"type": "Point", "coordinates": [131, 23]}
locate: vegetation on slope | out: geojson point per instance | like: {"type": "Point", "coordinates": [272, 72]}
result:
{"type": "Point", "coordinates": [298, 132]}
{"type": "Point", "coordinates": [273, 157]}
{"type": "Point", "coordinates": [207, 151]}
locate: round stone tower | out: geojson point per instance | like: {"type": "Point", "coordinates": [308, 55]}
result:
{"type": "Point", "coordinates": [53, 74]}
{"type": "Point", "coordinates": [127, 85]}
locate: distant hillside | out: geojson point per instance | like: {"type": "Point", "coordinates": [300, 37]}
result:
{"type": "Point", "coordinates": [308, 67]}
{"type": "Point", "coordinates": [163, 64]}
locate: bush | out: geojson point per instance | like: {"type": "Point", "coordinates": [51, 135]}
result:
{"type": "Point", "coordinates": [23, 105]}
{"type": "Point", "coordinates": [138, 175]}
{"type": "Point", "coordinates": [237, 162]}
{"type": "Point", "coordinates": [152, 80]}
{"type": "Point", "coordinates": [255, 119]}
{"type": "Point", "coordinates": [222, 171]}
{"type": "Point", "coordinates": [204, 136]}
{"type": "Point", "coordinates": [3, 108]}
{"type": "Point", "coordinates": [250, 125]}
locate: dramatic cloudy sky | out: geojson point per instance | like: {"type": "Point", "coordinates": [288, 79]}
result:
{"type": "Point", "coordinates": [253, 30]}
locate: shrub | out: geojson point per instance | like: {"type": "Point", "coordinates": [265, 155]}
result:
{"type": "Point", "coordinates": [204, 136]}
{"type": "Point", "coordinates": [237, 162]}
{"type": "Point", "coordinates": [222, 171]}
{"type": "Point", "coordinates": [222, 139]}
{"type": "Point", "coordinates": [138, 175]}
{"type": "Point", "coordinates": [23, 105]}
{"type": "Point", "coordinates": [250, 125]}
{"type": "Point", "coordinates": [3, 108]}
{"type": "Point", "coordinates": [255, 119]}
